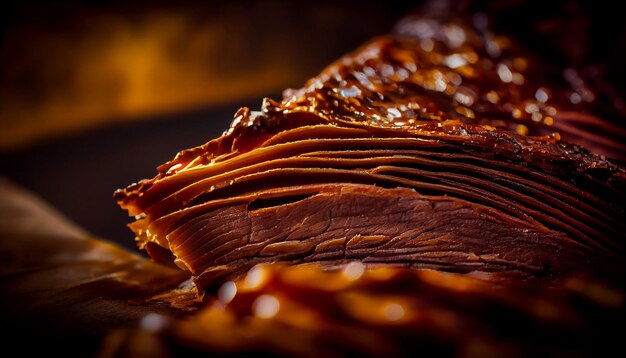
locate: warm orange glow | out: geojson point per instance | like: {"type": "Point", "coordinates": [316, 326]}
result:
{"type": "Point", "coordinates": [94, 66]}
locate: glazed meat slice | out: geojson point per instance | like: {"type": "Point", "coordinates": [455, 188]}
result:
{"type": "Point", "coordinates": [425, 148]}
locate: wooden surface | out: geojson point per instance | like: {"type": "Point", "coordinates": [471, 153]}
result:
{"type": "Point", "coordinates": [63, 290]}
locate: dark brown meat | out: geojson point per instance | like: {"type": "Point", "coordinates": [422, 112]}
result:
{"type": "Point", "coordinates": [439, 146]}
{"type": "Point", "coordinates": [338, 222]}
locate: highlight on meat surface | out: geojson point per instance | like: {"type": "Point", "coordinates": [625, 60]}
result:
{"type": "Point", "coordinates": [440, 146]}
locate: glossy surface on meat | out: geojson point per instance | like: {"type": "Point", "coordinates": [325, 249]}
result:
{"type": "Point", "coordinates": [439, 146]}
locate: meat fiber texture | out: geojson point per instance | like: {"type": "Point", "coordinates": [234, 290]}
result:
{"type": "Point", "coordinates": [425, 148]}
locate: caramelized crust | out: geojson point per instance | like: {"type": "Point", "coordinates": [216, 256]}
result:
{"type": "Point", "coordinates": [439, 146]}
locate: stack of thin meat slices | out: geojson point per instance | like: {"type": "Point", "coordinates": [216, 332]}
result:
{"type": "Point", "coordinates": [438, 189]}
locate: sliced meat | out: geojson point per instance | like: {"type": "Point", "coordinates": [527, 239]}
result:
{"type": "Point", "coordinates": [417, 150]}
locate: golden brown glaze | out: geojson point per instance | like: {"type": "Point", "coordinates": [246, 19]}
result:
{"type": "Point", "coordinates": [443, 121]}
{"type": "Point", "coordinates": [432, 78]}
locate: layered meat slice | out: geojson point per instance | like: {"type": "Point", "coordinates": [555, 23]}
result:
{"type": "Point", "coordinates": [406, 152]}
